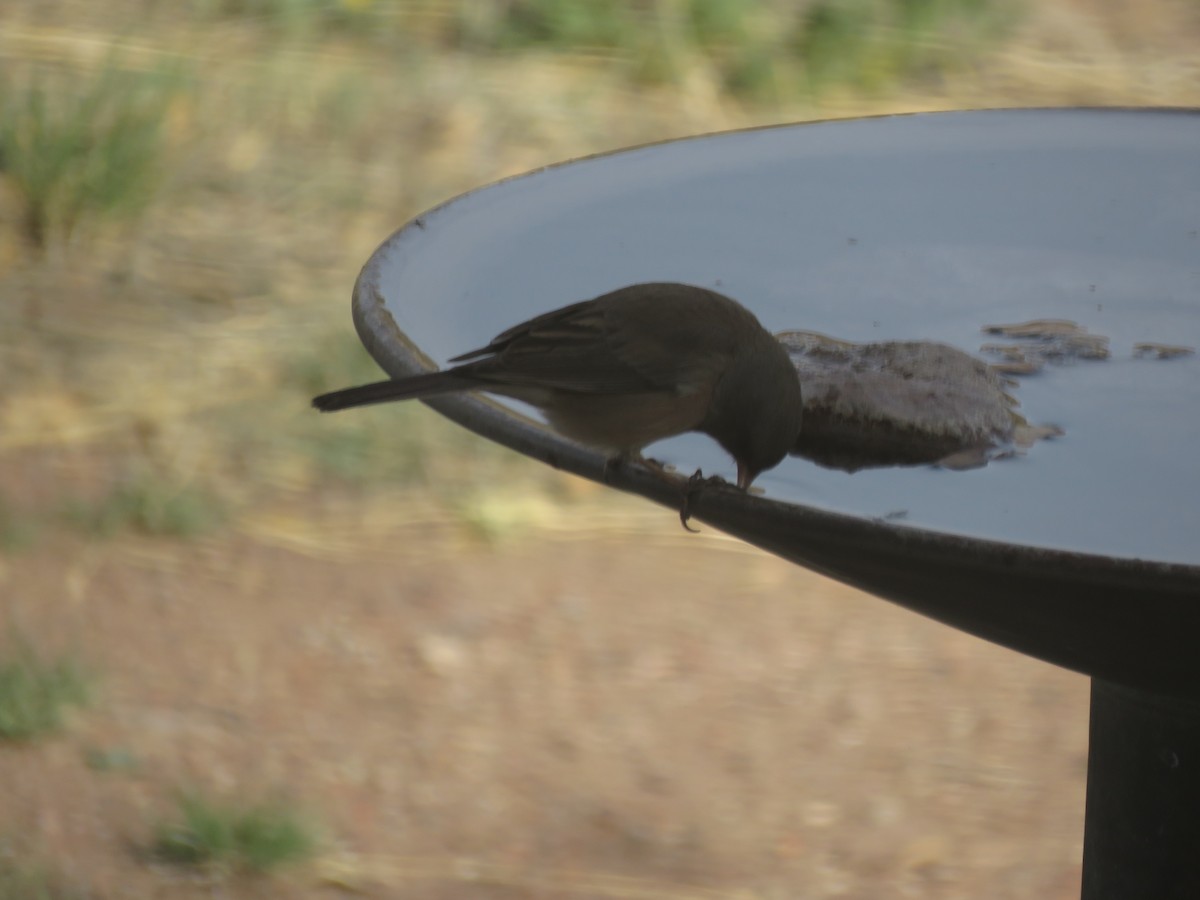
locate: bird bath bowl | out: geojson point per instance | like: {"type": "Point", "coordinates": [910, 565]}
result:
{"type": "Point", "coordinates": [1083, 551]}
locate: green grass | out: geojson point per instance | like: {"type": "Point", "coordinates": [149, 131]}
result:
{"type": "Point", "coordinates": [332, 361]}
{"type": "Point", "coordinates": [764, 51]}
{"type": "Point", "coordinates": [361, 453]}
{"type": "Point", "coordinates": [761, 50]}
{"type": "Point", "coordinates": [35, 693]}
{"type": "Point", "coordinates": [234, 838]}
{"type": "Point", "coordinates": [396, 444]}
{"type": "Point", "coordinates": [17, 530]}
{"type": "Point", "coordinates": [19, 881]}
{"type": "Point", "coordinates": [362, 446]}
{"type": "Point", "coordinates": [152, 505]}
{"type": "Point", "coordinates": [111, 759]}
{"type": "Point", "coordinates": [81, 150]}
{"type": "Point", "coordinates": [303, 19]}
{"type": "Point", "coordinates": [871, 44]}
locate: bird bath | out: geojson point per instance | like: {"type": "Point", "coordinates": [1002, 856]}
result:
{"type": "Point", "coordinates": [1083, 551]}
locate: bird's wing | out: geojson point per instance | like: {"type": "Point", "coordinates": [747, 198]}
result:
{"type": "Point", "coordinates": [675, 338]}
{"type": "Point", "coordinates": [573, 318]}
{"type": "Point", "coordinates": [685, 349]}
{"type": "Point", "coordinates": [574, 349]}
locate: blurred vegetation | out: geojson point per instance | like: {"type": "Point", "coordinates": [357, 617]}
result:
{"type": "Point", "coordinates": [234, 837]}
{"type": "Point", "coordinates": [872, 44]}
{"type": "Point", "coordinates": [21, 881]}
{"type": "Point", "coordinates": [764, 50]}
{"type": "Point", "coordinates": [78, 150]}
{"type": "Point", "coordinates": [35, 693]}
{"type": "Point", "coordinates": [16, 531]}
{"type": "Point", "coordinates": [151, 505]}
{"type": "Point", "coordinates": [111, 759]}
{"type": "Point", "coordinates": [761, 50]}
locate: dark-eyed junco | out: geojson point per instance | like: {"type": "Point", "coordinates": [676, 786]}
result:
{"type": "Point", "coordinates": [631, 367]}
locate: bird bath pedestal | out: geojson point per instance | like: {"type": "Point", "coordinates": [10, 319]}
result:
{"type": "Point", "coordinates": [1084, 551]}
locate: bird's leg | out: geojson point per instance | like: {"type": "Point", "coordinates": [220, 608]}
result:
{"type": "Point", "coordinates": [611, 463]}
{"type": "Point", "coordinates": [695, 484]}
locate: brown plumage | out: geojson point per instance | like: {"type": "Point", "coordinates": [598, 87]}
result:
{"type": "Point", "coordinates": [629, 368]}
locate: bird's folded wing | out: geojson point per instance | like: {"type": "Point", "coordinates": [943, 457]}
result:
{"type": "Point", "coordinates": [581, 348]}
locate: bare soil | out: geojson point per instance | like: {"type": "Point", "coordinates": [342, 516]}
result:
{"type": "Point", "coordinates": [600, 707]}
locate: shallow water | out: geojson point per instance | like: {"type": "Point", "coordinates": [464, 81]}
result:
{"type": "Point", "coordinates": [924, 227]}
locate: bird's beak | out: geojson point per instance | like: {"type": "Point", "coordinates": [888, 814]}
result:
{"type": "Point", "coordinates": [744, 477]}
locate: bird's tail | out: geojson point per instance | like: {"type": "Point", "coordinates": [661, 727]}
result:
{"type": "Point", "coordinates": [398, 389]}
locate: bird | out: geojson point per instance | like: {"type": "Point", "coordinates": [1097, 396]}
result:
{"type": "Point", "coordinates": [631, 367]}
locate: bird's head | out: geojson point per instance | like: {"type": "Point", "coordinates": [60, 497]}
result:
{"type": "Point", "coordinates": [756, 409]}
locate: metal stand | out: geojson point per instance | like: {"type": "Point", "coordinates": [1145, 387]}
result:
{"type": "Point", "coordinates": [1142, 828]}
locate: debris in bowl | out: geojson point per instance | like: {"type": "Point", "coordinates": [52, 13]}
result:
{"type": "Point", "coordinates": [1148, 349]}
{"type": "Point", "coordinates": [903, 403]}
{"type": "Point", "coordinates": [1040, 341]}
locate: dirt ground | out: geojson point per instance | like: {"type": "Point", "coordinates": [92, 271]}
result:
{"type": "Point", "coordinates": [600, 706]}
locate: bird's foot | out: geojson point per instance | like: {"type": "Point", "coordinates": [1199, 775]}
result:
{"type": "Point", "coordinates": [613, 462]}
{"type": "Point", "coordinates": [695, 484]}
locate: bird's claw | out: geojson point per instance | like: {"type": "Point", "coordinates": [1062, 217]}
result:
{"type": "Point", "coordinates": [610, 463]}
{"type": "Point", "coordinates": [696, 483]}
